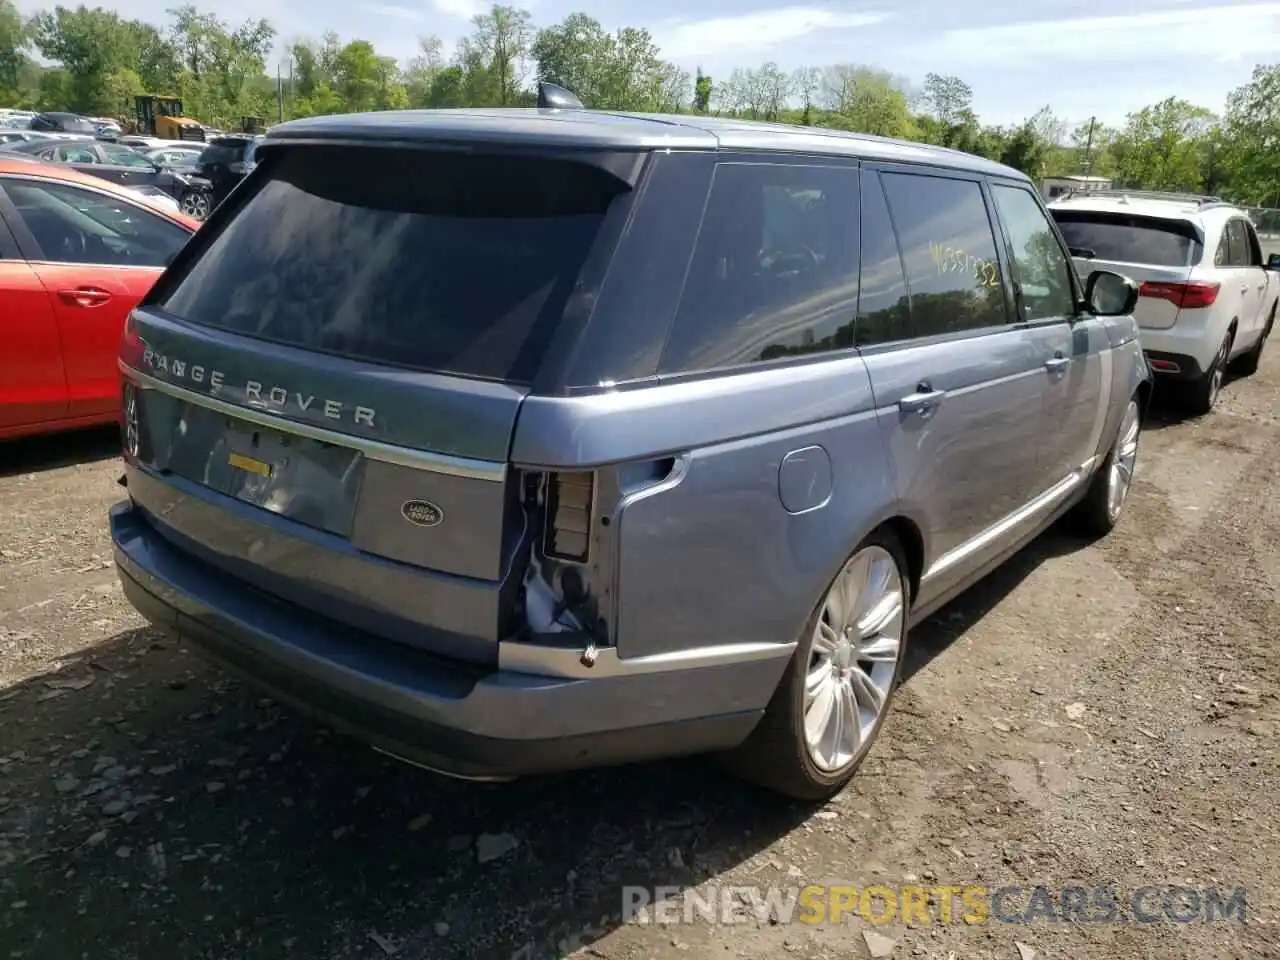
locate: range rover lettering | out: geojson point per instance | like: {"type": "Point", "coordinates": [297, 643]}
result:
{"type": "Point", "coordinates": [681, 424]}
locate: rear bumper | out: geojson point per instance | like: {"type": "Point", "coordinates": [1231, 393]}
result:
{"type": "Point", "coordinates": [1191, 343]}
{"type": "Point", "coordinates": [1173, 366]}
{"type": "Point", "coordinates": [454, 718]}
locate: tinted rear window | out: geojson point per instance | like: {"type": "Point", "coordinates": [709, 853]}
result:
{"type": "Point", "coordinates": [1128, 239]}
{"type": "Point", "coordinates": [457, 263]}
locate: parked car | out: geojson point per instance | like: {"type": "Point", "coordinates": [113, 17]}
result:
{"type": "Point", "coordinates": [110, 161]}
{"type": "Point", "coordinates": [1207, 294]}
{"type": "Point", "coordinates": [544, 439]}
{"type": "Point", "coordinates": [178, 158]}
{"type": "Point", "coordinates": [145, 144]}
{"type": "Point", "coordinates": [76, 253]}
{"type": "Point", "coordinates": [63, 123]}
{"type": "Point", "coordinates": [14, 136]}
{"type": "Point", "coordinates": [105, 129]}
{"type": "Point", "coordinates": [222, 164]}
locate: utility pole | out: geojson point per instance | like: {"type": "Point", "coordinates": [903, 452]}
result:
{"type": "Point", "coordinates": [1088, 148]}
{"type": "Point", "coordinates": [279, 95]}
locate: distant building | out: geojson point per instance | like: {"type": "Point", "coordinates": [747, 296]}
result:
{"type": "Point", "coordinates": [1053, 187]}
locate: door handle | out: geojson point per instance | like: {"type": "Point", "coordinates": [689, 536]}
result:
{"type": "Point", "coordinates": [84, 296]}
{"type": "Point", "coordinates": [1057, 364]}
{"type": "Point", "coordinates": [924, 401]}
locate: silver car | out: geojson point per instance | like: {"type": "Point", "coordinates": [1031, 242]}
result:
{"type": "Point", "coordinates": [523, 440]}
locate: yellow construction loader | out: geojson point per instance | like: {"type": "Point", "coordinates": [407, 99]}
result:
{"type": "Point", "coordinates": [160, 116]}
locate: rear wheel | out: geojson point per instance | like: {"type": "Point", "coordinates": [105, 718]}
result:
{"type": "Point", "coordinates": [195, 203]}
{"type": "Point", "coordinates": [1202, 395]}
{"type": "Point", "coordinates": [829, 706]}
{"type": "Point", "coordinates": [1248, 364]}
{"type": "Point", "coordinates": [1099, 511]}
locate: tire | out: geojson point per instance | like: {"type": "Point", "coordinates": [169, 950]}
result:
{"type": "Point", "coordinates": [777, 755]}
{"type": "Point", "coordinates": [1097, 514]}
{"type": "Point", "coordinates": [1201, 396]}
{"type": "Point", "coordinates": [195, 203]}
{"type": "Point", "coordinates": [1247, 365]}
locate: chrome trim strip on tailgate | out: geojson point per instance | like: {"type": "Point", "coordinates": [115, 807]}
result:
{"type": "Point", "coordinates": [373, 449]}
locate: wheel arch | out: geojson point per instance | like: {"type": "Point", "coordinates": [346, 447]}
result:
{"type": "Point", "coordinates": [908, 534]}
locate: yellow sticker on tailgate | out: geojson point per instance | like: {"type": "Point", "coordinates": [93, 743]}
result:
{"type": "Point", "coordinates": [250, 464]}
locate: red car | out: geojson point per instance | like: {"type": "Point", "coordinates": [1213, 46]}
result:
{"type": "Point", "coordinates": [76, 255]}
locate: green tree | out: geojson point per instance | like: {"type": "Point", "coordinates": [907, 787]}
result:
{"type": "Point", "coordinates": [90, 44]}
{"type": "Point", "coordinates": [1249, 143]}
{"type": "Point", "coordinates": [492, 58]}
{"type": "Point", "coordinates": [947, 99]}
{"type": "Point", "coordinates": [1162, 146]}
{"type": "Point", "coordinates": [13, 44]}
{"type": "Point", "coordinates": [702, 87]}
{"type": "Point", "coordinates": [866, 100]}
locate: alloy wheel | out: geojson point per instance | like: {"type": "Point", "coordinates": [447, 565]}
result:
{"type": "Point", "coordinates": [1123, 461]}
{"type": "Point", "coordinates": [854, 657]}
{"type": "Point", "coordinates": [196, 205]}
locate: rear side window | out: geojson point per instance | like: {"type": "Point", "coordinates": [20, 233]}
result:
{"type": "Point", "coordinates": [1240, 253]}
{"type": "Point", "coordinates": [1039, 265]}
{"type": "Point", "coordinates": [444, 262]}
{"type": "Point", "coordinates": [775, 269]}
{"type": "Point", "coordinates": [1123, 238]}
{"type": "Point", "coordinates": [949, 252]}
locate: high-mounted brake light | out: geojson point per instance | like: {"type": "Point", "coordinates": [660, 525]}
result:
{"type": "Point", "coordinates": [1187, 296]}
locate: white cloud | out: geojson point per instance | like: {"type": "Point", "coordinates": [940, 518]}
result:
{"type": "Point", "coordinates": [391, 10]}
{"type": "Point", "coordinates": [463, 9]}
{"type": "Point", "coordinates": [1197, 33]}
{"type": "Point", "coordinates": [682, 39]}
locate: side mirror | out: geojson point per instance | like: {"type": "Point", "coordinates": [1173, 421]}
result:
{"type": "Point", "coordinates": [1110, 294]}
{"type": "Point", "coordinates": [1273, 262]}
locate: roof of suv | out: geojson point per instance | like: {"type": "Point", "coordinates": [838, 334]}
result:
{"type": "Point", "coordinates": [1199, 210]}
{"type": "Point", "coordinates": [617, 130]}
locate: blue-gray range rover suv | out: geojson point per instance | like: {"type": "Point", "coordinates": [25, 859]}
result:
{"type": "Point", "coordinates": [522, 440]}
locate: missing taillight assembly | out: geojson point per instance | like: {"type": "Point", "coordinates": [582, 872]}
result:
{"type": "Point", "coordinates": [1187, 296]}
{"type": "Point", "coordinates": [570, 500]}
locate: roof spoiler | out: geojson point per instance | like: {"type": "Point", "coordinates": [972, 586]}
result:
{"type": "Point", "coordinates": [553, 97]}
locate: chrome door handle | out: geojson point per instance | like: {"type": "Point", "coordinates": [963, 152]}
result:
{"type": "Point", "coordinates": [1057, 364]}
{"type": "Point", "coordinates": [1245, 288]}
{"type": "Point", "coordinates": [924, 401]}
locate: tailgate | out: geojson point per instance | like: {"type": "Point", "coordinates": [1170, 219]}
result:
{"type": "Point", "coordinates": [326, 385]}
{"type": "Point", "coordinates": [1160, 251]}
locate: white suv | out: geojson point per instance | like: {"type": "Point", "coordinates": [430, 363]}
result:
{"type": "Point", "coordinates": [1207, 292]}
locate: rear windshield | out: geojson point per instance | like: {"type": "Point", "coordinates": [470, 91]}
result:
{"type": "Point", "coordinates": [1129, 239]}
{"type": "Point", "coordinates": [457, 263]}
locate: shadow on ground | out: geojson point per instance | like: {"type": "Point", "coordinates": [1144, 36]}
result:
{"type": "Point", "coordinates": [166, 810]}
{"type": "Point", "coordinates": [37, 454]}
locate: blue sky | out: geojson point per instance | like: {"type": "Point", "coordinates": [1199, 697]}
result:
{"type": "Point", "coordinates": [1081, 58]}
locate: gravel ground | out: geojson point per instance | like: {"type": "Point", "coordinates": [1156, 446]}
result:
{"type": "Point", "coordinates": [1090, 715]}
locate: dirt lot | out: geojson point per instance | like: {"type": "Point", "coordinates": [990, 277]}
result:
{"type": "Point", "coordinates": [1091, 715]}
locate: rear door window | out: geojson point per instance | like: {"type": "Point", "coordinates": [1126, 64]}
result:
{"type": "Point", "coordinates": [949, 251]}
{"type": "Point", "coordinates": [455, 263]}
{"type": "Point", "coordinates": [774, 272]}
{"type": "Point", "coordinates": [1123, 238]}
{"type": "Point", "coordinates": [884, 309]}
